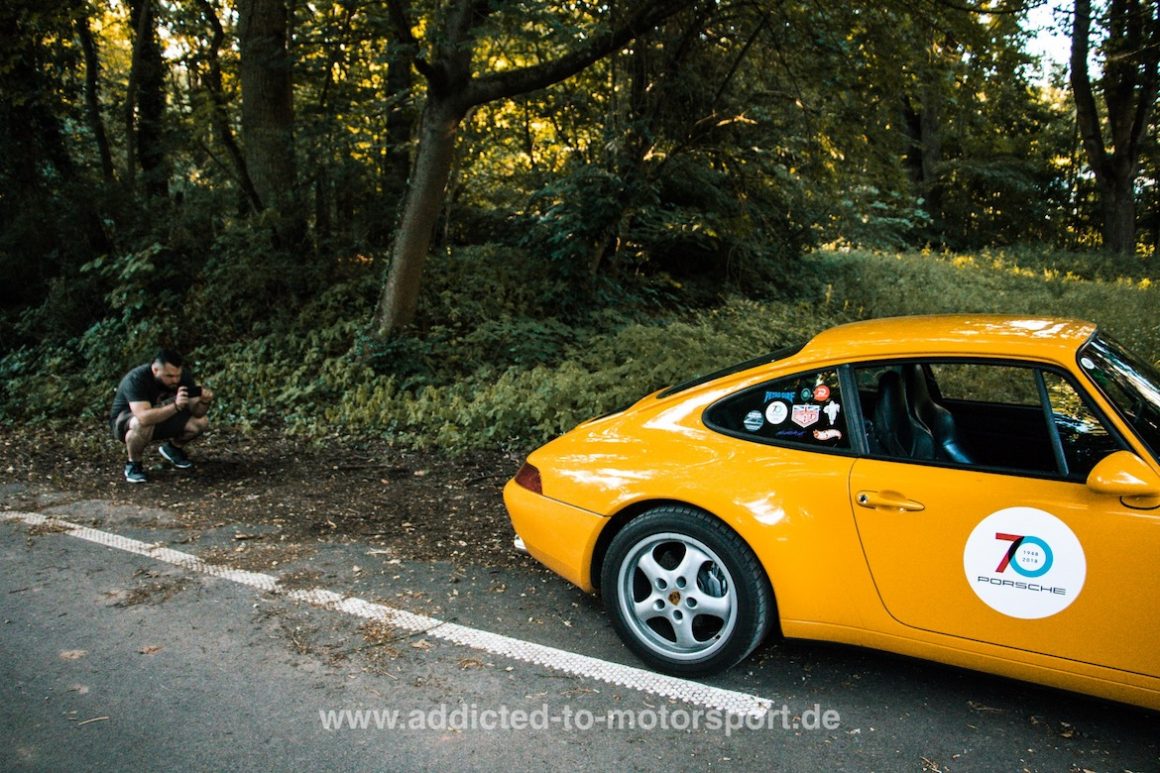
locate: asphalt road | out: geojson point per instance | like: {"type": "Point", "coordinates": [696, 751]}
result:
{"type": "Point", "coordinates": [113, 660]}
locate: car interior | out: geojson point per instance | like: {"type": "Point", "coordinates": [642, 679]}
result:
{"type": "Point", "coordinates": [908, 418]}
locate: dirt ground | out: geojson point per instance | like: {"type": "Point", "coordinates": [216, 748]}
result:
{"type": "Point", "coordinates": [419, 506]}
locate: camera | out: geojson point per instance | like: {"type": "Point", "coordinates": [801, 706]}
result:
{"type": "Point", "coordinates": [193, 391]}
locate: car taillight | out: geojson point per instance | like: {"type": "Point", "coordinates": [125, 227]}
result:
{"type": "Point", "coordinates": [529, 478]}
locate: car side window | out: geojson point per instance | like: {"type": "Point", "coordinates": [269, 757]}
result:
{"type": "Point", "coordinates": [986, 415]}
{"type": "Point", "coordinates": [1084, 438]}
{"type": "Point", "coordinates": [805, 409]}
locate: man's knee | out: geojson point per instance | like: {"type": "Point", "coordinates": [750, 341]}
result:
{"type": "Point", "coordinates": [195, 427]}
{"type": "Point", "coordinates": [139, 431]}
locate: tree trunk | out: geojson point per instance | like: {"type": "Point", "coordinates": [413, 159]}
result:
{"type": "Point", "coordinates": [145, 104]}
{"type": "Point", "coordinates": [268, 110]}
{"type": "Point", "coordinates": [1129, 89]}
{"type": "Point", "coordinates": [93, 99]}
{"type": "Point", "coordinates": [432, 172]}
{"type": "Point", "coordinates": [400, 121]}
{"type": "Point", "coordinates": [1118, 202]}
{"type": "Point", "coordinates": [218, 102]}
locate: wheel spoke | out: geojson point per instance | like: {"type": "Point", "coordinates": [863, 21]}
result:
{"type": "Point", "coordinates": [684, 630]}
{"type": "Point", "coordinates": [646, 609]}
{"type": "Point", "coordinates": [713, 606]}
{"type": "Point", "coordinates": [691, 564]}
{"type": "Point", "coordinates": [648, 566]}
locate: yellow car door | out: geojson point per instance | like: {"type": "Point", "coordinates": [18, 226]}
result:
{"type": "Point", "coordinates": [997, 546]}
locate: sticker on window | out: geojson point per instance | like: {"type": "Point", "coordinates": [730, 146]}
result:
{"type": "Point", "coordinates": [754, 421]}
{"type": "Point", "coordinates": [831, 411]}
{"type": "Point", "coordinates": [806, 415]}
{"type": "Point", "coordinates": [776, 412]}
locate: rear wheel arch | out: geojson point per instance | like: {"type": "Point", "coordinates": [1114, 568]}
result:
{"type": "Point", "coordinates": [615, 524]}
{"type": "Point", "coordinates": [630, 513]}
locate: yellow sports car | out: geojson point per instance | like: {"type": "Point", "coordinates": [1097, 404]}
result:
{"type": "Point", "coordinates": [977, 490]}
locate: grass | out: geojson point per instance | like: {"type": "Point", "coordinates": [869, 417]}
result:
{"type": "Point", "coordinates": [1124, 303]}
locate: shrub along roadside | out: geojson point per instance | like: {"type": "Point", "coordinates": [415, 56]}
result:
{"type": "Point", "coordinates": [497, 371]}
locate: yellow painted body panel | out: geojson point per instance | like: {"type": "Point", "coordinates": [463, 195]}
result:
{"type": "Point", "coordinates": [557, 535]}
{"type": "Point", "coordinates": [917, 563]}
{"type": "Point", "coordinates": [841, 571]}
{"type": "Point", "coordinates": [1066, 675]}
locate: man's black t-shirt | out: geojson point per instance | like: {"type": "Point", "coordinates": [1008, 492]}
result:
{"type": "Point", "coordinates": [139, 386]}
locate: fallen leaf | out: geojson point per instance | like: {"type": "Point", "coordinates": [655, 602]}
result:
{"type": "Point", "coordinates": [152, 649]}
{"type": "Point", "coordinates": [975, 705]}
{"type": "Point", "coordinates": [73, 654]}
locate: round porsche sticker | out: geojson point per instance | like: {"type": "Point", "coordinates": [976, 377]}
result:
{"type": "Point", "coordinates": [776, 412]}
{"type": "Point", "coordinates": [1024, 562]}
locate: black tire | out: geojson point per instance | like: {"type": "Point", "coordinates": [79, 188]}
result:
{"type": "Point", "coordinates": [685, 593]}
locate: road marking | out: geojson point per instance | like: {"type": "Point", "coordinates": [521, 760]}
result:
{"type": "Point", "coordinates": [730, 701]}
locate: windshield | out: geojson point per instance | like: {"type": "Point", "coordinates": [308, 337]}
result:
{"type": "Point", "coordinates": [1131, 384]}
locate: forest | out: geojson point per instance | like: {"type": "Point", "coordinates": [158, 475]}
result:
{"type": "Point", "coordinates": [459, 223]}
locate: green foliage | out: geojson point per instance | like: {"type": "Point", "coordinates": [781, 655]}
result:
{"type": "Point", "coordinates": [878, 220]}
{"type": "Point", "coordinates": [495, 367]}
{"type": "Point", "coordinates": [572, 219]}
{"type": "Point", "coordinates": [1033, 282]}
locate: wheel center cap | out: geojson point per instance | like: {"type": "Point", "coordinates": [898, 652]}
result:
{"type": "Point", "coordinates": [675, 598]}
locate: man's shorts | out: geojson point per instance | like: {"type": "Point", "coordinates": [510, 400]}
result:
{"type": "Point", "coordinates": [172, 427]}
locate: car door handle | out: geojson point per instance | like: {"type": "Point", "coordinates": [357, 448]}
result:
{"type": "Point", "coordinates": [888, 500]}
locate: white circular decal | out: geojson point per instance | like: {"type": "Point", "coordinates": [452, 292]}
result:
{"type": "Point", "coordinates": [1024, 563]}
{"type": "Point", "coordinates": [776, 412]}
{"type": "Point", "coordinates": [753, 421]}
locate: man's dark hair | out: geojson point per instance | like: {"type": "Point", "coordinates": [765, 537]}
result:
{"type": "Point", "coordinates": [169, 357]}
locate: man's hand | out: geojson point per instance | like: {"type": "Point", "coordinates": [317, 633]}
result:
{"type": "Point", "coordinates": [182, 398]}
{"type": "Point", "coordinates": [199, 406]}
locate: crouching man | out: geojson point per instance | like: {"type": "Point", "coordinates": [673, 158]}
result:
{"type": "Point", "coordinates": [159, 401]}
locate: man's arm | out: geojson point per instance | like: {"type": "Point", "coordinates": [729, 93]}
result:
{"type": "Point", "coordinates": [146, 414]}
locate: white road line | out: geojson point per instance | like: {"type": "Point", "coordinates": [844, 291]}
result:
{"type": "Point", "coordinates": [572, 663]}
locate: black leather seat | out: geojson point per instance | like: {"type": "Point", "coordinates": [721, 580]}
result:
{"type": "Point", "coordinates": [936, 418]}
{"type": "Point", "coordinates": [898, 431]}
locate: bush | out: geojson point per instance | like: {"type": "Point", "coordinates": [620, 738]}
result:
{"type": "Point", "coordinates": [491, 363]}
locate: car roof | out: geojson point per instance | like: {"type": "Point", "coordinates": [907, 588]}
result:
{"type": "Point", "coordinates": [990, 335]}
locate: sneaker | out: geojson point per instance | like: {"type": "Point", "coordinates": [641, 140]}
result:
{"type": "Point", "coordinates": [135, 473]}
{"type": "Point", "coordinates": [176, 456]}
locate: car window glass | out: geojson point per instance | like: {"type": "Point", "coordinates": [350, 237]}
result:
{"type": "Point", "coordinates": [1085, 440]}
{"type": "Point", "coordinates": [985, 415]}
{"type": "Point", "coordinates": [989, 383]}
{"type": "Point", "coordinates": [805, 409]}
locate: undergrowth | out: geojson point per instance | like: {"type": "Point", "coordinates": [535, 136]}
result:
{"type": "Point", "coordinates": [500, 360]}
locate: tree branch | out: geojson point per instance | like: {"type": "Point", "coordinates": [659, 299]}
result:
{"type": "Point", "coordinates": [399, 13]}
{"type": "Point", "coordinates": [515, 82]}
